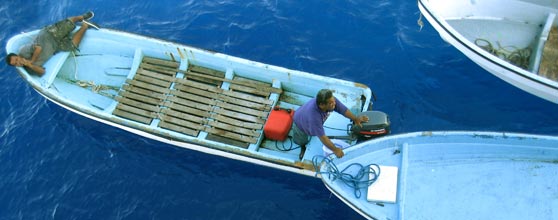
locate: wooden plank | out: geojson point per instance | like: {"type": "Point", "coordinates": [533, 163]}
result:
{"type": "Point", "coordinates": [148, 86]}
{"type": "Point", "coordinates": [240, 116]}
{"type": "Point", "coordinates": [144, 92]}
{"type": "Point", "coordinates": [205, 70]}
{"type": "Point", "coordinates": [242, 109]}
{"type": "Point", "coordinates": [204, 80]}
{"type": "Point", "coordinates": [259, 85]}
{"type": "Point", "coordinates": [186, 109]}
{"type": "Point", "coordinates": [152, 81]}
{"type": "Point", "coordinates": [182, 122]}
{"type": "Point", "coordinates": [247, 82]}
{"type": "Point", "coordinates": [252, 105]}
{"type": "Point", "coordinates": [156, 75]}
{"type": "Point", "coordinates": [237, 122]}
{"type": "Point", "coordinates": [184, 116]}
{"type": "Point", "coordinates": [161, 62]}
{"type": "Point", "coordinates": [194, 97]}
{"type": "Point", "coordinates": [251, 98]}
{"type": "Point", "coordinates": [160, 69]}
{"type": "Point", "coordinates": [195, 91]}
{"type": "Point", "coordinates": [185, 83]}
{"type": "Point", "coordinates": [250, 90]}
{"type": "Point", "coordinates": [136, 111]}
{"type": "Point", "coordinates": [234, 129]}
{"type": "Point", "coordinates": [131, 116]}
{"type": "Point", "coordinates": [140, 105]}
{"type": "Point", "coordinates": [189, 103]}
{"type": "Point", "coordinates": [178, 129]}
{"type": "Point", "coordinates": [265, 88]}
{"type": "Point", "coordinates": [230, 96]}
{"type": "Point", "coordinates": [231, 135]}
{"type": "Point", "coordinates": [142, 98]}
{"type": "Point", "coordinates": [228, 141]}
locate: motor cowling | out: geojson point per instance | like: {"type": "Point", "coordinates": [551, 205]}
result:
{"type": "Point", "coordinates": [378, 125]}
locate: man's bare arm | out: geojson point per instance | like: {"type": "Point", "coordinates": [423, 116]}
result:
{"type": "Point", "coordinates": [36, 52]}
{"type": "Point", "coordinates": [37, 69]}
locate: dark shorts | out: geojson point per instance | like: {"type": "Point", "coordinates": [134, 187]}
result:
{"type": "Point", "coordinates": [299, 137]}
{"type": "Point", "coordinates": [61, 32]}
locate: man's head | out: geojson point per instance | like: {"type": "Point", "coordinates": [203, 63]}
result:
{"type": "Point", "coordinates": [13, 60]}
{"type": "Point", "coordinates": [325, 100]}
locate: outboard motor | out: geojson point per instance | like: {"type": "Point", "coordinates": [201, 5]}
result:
{"type": "Point", "coordinates": [377, 125]}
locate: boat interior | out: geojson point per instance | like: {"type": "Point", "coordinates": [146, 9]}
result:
{"type": "Point", "coordinates": [192, 100]}
{"type": "Point", "coordinates": [523, 32]}
{"type": "Point", "coordinates": [485, 169]}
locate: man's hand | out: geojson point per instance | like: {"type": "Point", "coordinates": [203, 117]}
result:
{"type": "Point", "coordinates": [27, 63]}
{"type": "Point", "coordinates": [359, 120]}
{"type": "Point", "coordinates": [338, 152]}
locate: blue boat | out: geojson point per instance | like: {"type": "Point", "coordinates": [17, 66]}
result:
{"type": "Point", "coordinates": [188, 97]}
{"type": "Point", "coordinates": [448, 175]}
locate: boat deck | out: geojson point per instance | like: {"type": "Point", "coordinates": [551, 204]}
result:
{"type": "Point", "coordinates": [197, 101]}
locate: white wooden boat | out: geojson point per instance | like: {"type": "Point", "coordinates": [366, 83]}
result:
{"type": "Point", "coordinates": [185, 96]}
{"type": "Point", "coordinates": [516, 40]}
{"type": "Point", "coordinates": [453, 175]}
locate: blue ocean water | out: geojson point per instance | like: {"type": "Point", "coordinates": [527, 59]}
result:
{"type": "Point", "coordinates": [58, 165]}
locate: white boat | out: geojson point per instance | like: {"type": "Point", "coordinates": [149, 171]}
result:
{"type": "Point", "coordinates": [450, 175]}
{"type": "Point", "coordinates": [516, 40]}
{"type": "Point", "coordinates": [188, 97]}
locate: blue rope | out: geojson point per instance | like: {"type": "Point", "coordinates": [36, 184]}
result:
{"type": "Point", "coordinates": [363, 178]}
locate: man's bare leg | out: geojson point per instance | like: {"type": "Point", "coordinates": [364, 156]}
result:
{"type": "Point", "coordinates": [79, 34]}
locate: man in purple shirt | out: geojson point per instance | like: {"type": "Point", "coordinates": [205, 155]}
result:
{"type": "Point", "coordinates": [310, 118]}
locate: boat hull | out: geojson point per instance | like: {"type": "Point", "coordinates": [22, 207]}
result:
{"type": "Point", "coordinates": [123, 80]}
{"type": "Point", "coordinates": [527, 80]}
{"type": "Point", "coordinates": [459, 175]}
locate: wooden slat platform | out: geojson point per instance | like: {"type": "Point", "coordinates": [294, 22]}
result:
{"type": "Point", "coordinates": [197, 102]}
{"type": "Point", "coordinates": [142, 98]}
{"type": "Point", "coordinates": [205, 75]}
{"type": "Point", "coordinates": [549, 63]}
{"type": "Point", "coordinates": [233, 116]}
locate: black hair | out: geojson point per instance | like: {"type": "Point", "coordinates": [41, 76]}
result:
{"type": "Point", "coordinates": [9, 57]}
{"type": "Point", "coordinates": [323, 96]}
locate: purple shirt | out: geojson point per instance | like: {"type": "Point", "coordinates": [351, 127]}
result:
{"type": "Point", "coordinates": [310, 118]}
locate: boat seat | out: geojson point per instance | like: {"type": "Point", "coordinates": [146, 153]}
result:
{"type": "Point", "coordinates": [540, 40]}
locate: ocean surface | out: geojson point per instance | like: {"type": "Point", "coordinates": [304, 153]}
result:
{"type": "Point", "coordinates": [55, 164]}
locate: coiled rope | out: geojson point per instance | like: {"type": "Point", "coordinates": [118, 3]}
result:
{"type": "Point", "coordinates": [99, 89]}
{"type": "Point", "coordinates": [363, 178]}
{"type": "Point", "coordinates": [514, 55]}
{"type": "Point", "coordinates": [282, 147]}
